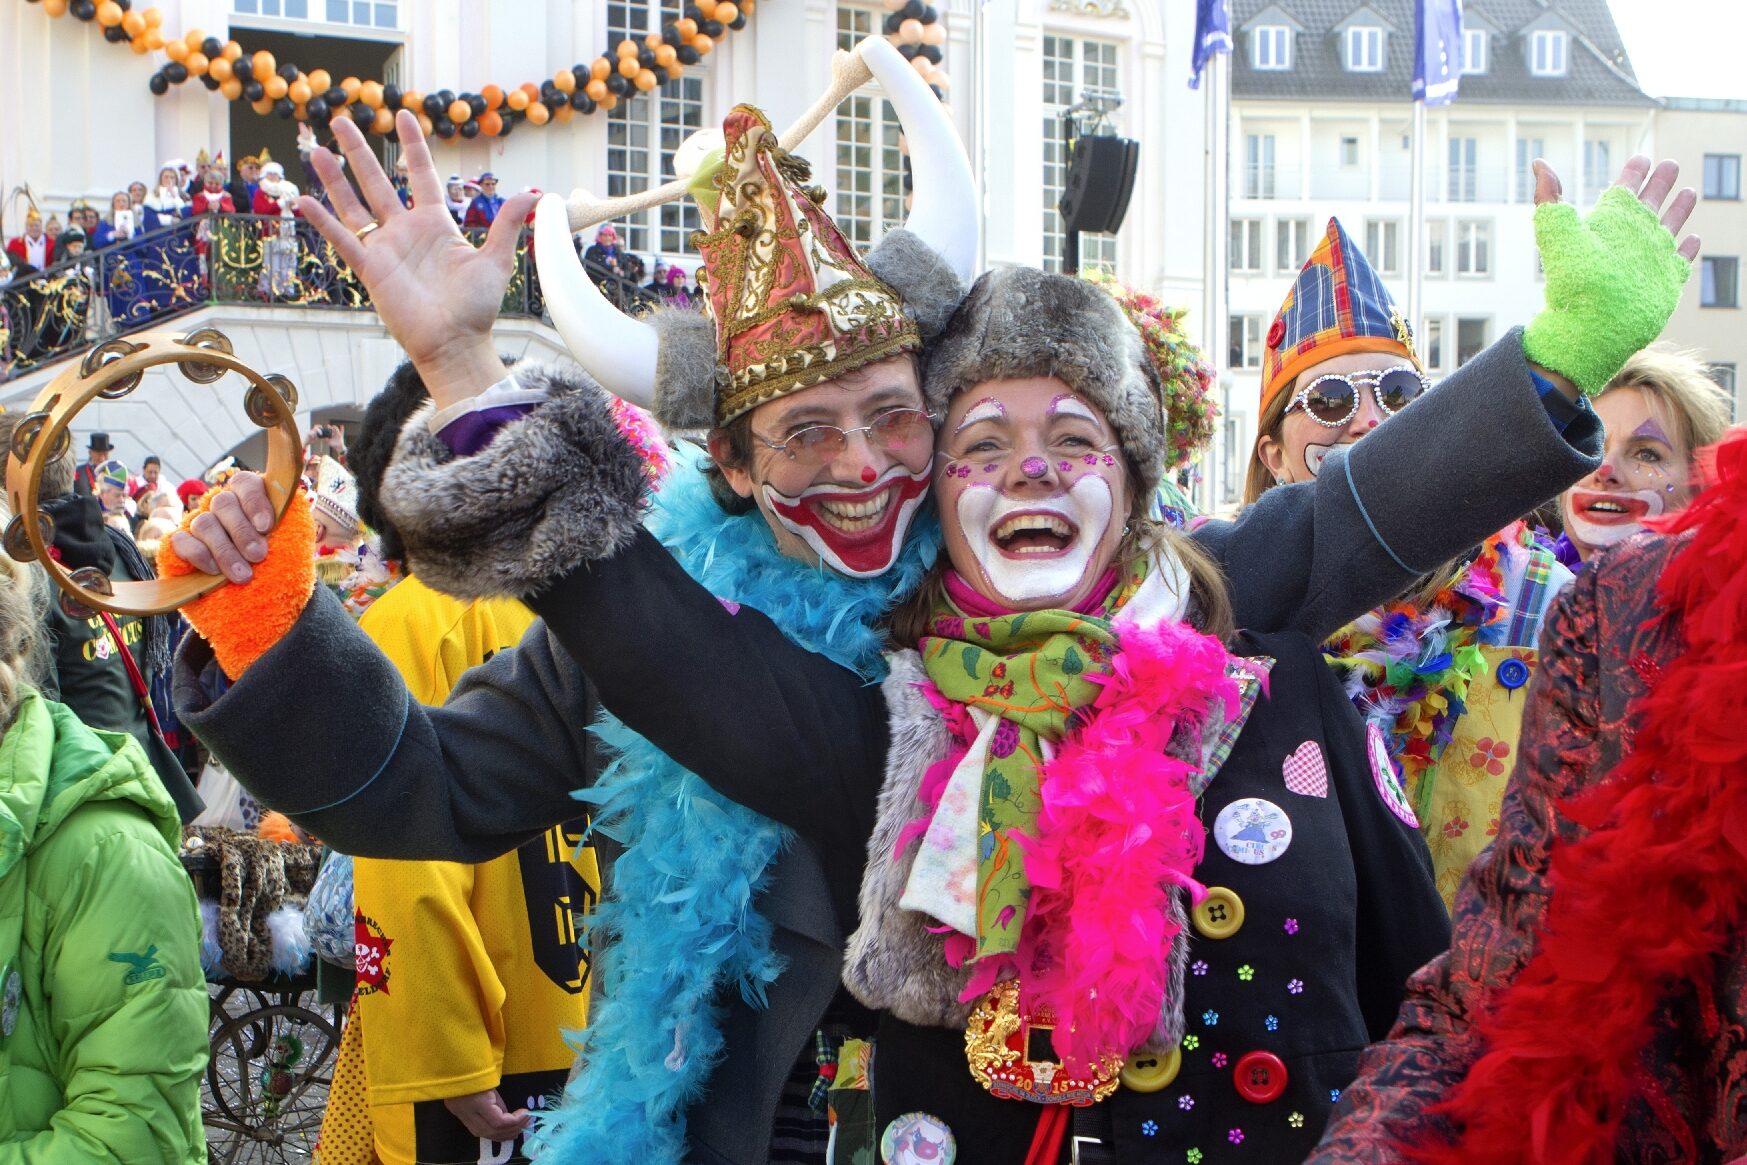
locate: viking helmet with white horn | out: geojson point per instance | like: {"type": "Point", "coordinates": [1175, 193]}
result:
{"type": "Point", "coordinates": [692, 370]}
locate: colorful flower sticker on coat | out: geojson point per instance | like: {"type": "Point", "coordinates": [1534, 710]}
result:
{"type": "Point", "coordinates": [1252, 831]}
{"type": "Point", "coordinates": [1388, 781]}
{"type": "Point", "coordinates": [916, 1138]}
{"type": "Point", "coordinates": [1306, 770]}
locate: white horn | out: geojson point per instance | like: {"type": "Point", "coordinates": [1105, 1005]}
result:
{"type": "Point", "coordinates": [615, 349]}
{"type": "Point", "coordinates": [944, 212]}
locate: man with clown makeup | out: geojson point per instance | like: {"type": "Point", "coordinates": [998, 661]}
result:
{"type": "Point", "coordinates": [721, 642]}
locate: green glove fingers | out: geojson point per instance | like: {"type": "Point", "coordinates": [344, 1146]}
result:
{"type": "Point", "coordinates": [1613, 280]}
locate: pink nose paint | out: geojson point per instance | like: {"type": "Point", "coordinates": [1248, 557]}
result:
{"type": "Point", "coordinates": [868, 475]}
{"type": "Point", "coordinates": [1034, 467]}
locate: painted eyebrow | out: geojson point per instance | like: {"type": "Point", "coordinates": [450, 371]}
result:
{"type": "Point", "coordinates": [1652, 430]}
{"type": "Point", "coordinates": [987, 409]}
{"type": "Point", "coordinates": [1069, 405]}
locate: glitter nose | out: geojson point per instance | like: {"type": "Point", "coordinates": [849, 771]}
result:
{"type": "Point", "coordinates": [1034, 467]}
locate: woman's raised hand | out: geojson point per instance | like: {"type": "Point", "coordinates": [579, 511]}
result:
{"type": "Point", "coordinates": [436, 292]}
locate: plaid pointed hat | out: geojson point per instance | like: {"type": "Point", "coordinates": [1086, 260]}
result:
{"type": "Point", "coordinates": [793, 303]}
{"type": "Point", "coordinates": [1337, 305]}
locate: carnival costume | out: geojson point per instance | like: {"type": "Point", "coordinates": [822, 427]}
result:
{"type": "Point", "coordinates": [1591, 1007]}
{"type": "Point", "coordinates": [1437, 673]}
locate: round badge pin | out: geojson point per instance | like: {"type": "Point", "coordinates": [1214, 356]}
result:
{"type": "Point", "coordinates": [1388, 782]}
{"type": "Point", "coordinates": [917, 1138]}
{"type": "Point", "coordinates": [1253, 831]}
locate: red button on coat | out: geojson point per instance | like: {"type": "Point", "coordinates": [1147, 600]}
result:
{"type": "Point", "coordinates": [1260, 1077]}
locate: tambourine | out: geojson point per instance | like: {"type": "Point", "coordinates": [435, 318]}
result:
{"type": "Point", "coordinates": [109, 372]}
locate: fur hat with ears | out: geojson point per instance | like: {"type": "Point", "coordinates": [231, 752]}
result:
{"type": "Point", "coordinates": [1020, 322]}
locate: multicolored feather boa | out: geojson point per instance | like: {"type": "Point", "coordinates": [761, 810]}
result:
{"type": "Point", "coordinates": [1668, 825]}
{"type": "Point", "coordinates": [1408, 668]}
{"type": "Point", "coordinates": [681, 925]}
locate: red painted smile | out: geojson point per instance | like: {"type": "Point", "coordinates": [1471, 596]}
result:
{"type": "Point", "coordinates": [856, 531]}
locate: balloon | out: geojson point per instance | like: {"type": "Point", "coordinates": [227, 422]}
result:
{"type": "Point", "coordinates": [459, 111]}
{"type": "Point", "coordinates": [934, 34]}
{"type": "Point", "coordinates": [370, 93]}
{"type": "Point", "coordinates": [469, 129]}
{"type": "Point", "coordinates": [193, 39]}
{"type": "Point", "coordinates": [675, 72]}
{"type": "Point", "coordinates": [611, 103]}
{"type": "Point", "coordinates": [490, 123]}
{"type": "Point", "coordinates": [595, 91]}
{"type": "Point", "coordinates": [115, 34]}
{"type": "Point", "coordinates": [212, 47]}
{"type": "Point", "coordinates": [284, 108]}
{"type": "Point", "coordinates": [581, 102]}
{"type": "Point", "coordinates": [670, 35]}
{"type": "Point", "coordinates": [298, 91]}
{"type": "Point", "coordinates": [444, 127]}
{"type": "Point", "coordinates": [109, 14]}
{"type": "Point", "coordinates": [176, 71]}
{"type": "Point", "coordinates": [645, 80]}
{"type": "Point", "coordinates": [475, 104]}
{"type": "Point", "coordinates": [894, 5]}
{"type": "Point", "coordinates": [738, 23]}
{"type": "Point", "coordinates": [517, 99]}
{"type": "Point", "coordinates": [599, 68]}
{"type": "Point", "coordinates": [912, 9]}
{"type": "Point", "coordinates": [219, 69]}
{"type": "Point", "coordinates": [433, 104]}
{"type": "Point", "coordinates": [712, 29]}
{"type": "Point", "coordinates": [253, 91]}
{"type": "Point", "coordinates": [707, 8]}
{"type": "Point", "coordinates": [232, 50]}
{"type": "Point", "coordinates": [727, 13]}
{"type": "Point", "coordinates": [412, 99]}
{"type": "Point", "coordinates": [154, 40]}
{"type": "Point", "coordinates": [665, 56]}
{"type": "Point", "coordinates": [646, 59]}
{"type": "Point", "coordinates": [158, 84]}
{"type": "Point", "coordinates": [689, 55]}
{"type": "Point", "coordinates": [628, 66]}
{"type": "Point", "coordinates": [702, 44]}
{"type": "Point", "coordinates": [493, 96]}
{"type": "Point", "coordinates": [335, 96]}
{"type": "Point", "coordinates": [320, 80]}
{"type": "Point", "coordinates": [154, 17]}
{"type": "Point", "coordinates": [318, 110]}
{"type": "Point", "coordinates": [138, 45]}
{"type": "Point", "coordinates": [351, 85]}
{"type": "Point", "coordinates": [232, 89]}
{"type": "Point", "coordinates": [262, 67]}
{"type": "Point", "coordinates": [910, 31]}
{"type": "Point", "coordinates": [626, 48]}
{"type": "Point", "coordinates": [383, 122]}
{"type": "Point", "coordinates": [275, 87]}
{"type": "Point", "coordinates": [262, 107]}
{"type": "Point", "coordinates": [563, 113]}
{"type": "Point", "coordinates": [426, 125]}
{"type": "Point", "coordinates": [941, 80]}
{"type": "Point", "coordinates": [176, 50]}
{"type": "Point", "coordinates": [922, 65]}
{"type": "Point", "coordinates": [618, 84]}
{"type": "Point", "coordinates": [687, 28]}
{"type": "Point", "coordinates": [565, 80]}
{"type": "Point", "coordinates": [538, 113]}
{"type": "Point", "coordinates": [362, 115]}
{"type": "Point", "coordinates": [650, 41]}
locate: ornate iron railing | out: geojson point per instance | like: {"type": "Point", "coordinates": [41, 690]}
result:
{"type": "Point", "coordinates": [265, 261]}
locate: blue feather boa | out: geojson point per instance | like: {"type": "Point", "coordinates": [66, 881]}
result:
{"type": "Point", "coordinates": [681, 923]}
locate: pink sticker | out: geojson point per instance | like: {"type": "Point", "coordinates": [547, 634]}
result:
{"type": "Point", "coordinates": [1388, 781]}
{"type": "Point", "coordinates": [1306, 771]}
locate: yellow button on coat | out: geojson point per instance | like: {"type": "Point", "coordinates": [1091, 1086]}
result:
{"type": "Point", "coordinates": [1220, 914]}
{"type": "Point", "coordinates": [1151, 1073]}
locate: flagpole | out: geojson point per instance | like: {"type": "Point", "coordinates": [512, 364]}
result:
{"type": "Point", "coordinates": [1416, 222]}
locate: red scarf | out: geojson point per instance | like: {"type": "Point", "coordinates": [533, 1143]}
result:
{"type": "Point", "coordinates": [1564, 1041]}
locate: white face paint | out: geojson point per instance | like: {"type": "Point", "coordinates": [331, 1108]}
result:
{"type": "Point", "coordinates": [1315, 454]}
{"type": "Point", "coordinates": [1602, 519]}
{"type": "Point", "coordinates": [1029, 574]}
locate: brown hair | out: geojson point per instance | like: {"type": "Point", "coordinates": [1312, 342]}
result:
{"type": "Point", "coordinates": [1260, 478]}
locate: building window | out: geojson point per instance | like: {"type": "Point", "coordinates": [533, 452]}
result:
{"type": "Point", "coordinates": [1246, 341]}
{"type": "Point", "coordinates": [870, 167]}
{"type": "Point", "coordinates": [290, 9]}
{"type": "Point", "coordinates": [1723, 176]}
{"type": "Point", "coordinates": [1474, 247]}
{"type": "Point", "coordinates": [1547, 52]}
{"type": "Point", "coordinates": [1719, 284]}
{"type": "Point", "coordinates": [1431, 342]}
{"type": "Point", "coordinates": [1472, 336]}
{"type": "Point", "coordinates": [1364, 50]}
{"type": "Point", "coordinates": [1473, 50]}
{"type": "Point", "coordinates": [1273, 46]}
{"type": "Point", "coordinates": [1231, 462]}
{"type": "Point", "coordinates": [1291, 243]}
{"type": "Point", "coordinates": [1349, 151]}
{"type": "Point", "coordinates": [1597, 169]}
{"type": "Point", "coordinates": [1464, 169]}
{"type": "Point", "coordinates": [1246, 244]}
{"type": "Point", "coordinates": [1527, 150]}
{"type": "Point", "coordinates": [1724, 375]}
{"type": "Point", "coordinates": [1071, 69]}
{"type": "Point", "coordinates": [1259, 165]}
{"type": "Point", "coordinates": [1436, 245]}
{"type": "Point", "coordinates": [363, 13]}
{"type": "Point", "coordinates": [1383, 246]}
{"type": "Point", "coordinates": [642, 134]}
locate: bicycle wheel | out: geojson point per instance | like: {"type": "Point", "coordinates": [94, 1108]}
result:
{"type": "Point", "coordinates": [267, 1085]}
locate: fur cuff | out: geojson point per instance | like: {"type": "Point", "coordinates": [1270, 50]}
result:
{"type": "Point", "coordinates": [930, 288]}
{"type": "Point", "coordinates": [893, 963]}
{"type": "Point", "coordinates": [685, 369]}
{"type": "Point", "coordinates": [553, 490]}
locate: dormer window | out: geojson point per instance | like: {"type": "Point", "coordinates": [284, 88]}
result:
{"type": "Point", "coordinates": [1273, 46]}
{"type": "Point", "coordinates": [1364, 49]}
{"type": "Point", "coordinates": [1547, 52]}
{"type": "Point", "coordinates": [1473, 50]}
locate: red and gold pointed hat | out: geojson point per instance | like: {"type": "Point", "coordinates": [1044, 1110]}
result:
{"type": "Point", "coordinates": [793, 302]}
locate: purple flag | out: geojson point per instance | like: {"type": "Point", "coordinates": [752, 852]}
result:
{"type": "Point", "coordinates": [1437, 56]}
{"type": "Point", "coordinates": [1212, 35]}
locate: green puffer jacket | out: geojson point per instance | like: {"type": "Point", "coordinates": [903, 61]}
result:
{"type": "Point", "coordinates": [102, 1003]}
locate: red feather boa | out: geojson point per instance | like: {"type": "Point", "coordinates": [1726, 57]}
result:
{"type": "Point", "coordinates": [1649, 896]}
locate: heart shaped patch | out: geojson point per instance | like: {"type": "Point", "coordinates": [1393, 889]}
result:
{"type": "Point", "coordinates": [1306, 771]}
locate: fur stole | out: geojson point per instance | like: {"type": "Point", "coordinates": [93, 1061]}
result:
{"type": "Point", "coordinates": [681, 924]}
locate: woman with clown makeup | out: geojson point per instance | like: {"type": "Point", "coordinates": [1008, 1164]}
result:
{"type": "Point", "coordinates": [1661, 407]}
{"type": "Point", "coordinates": [731, 634]}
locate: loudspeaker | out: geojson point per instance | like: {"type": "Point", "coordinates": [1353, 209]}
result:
{"type": "Point", "coordinates": [1099, 181]}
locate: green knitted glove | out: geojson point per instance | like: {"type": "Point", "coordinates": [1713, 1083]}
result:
{"type": "Point", "coordinates": [1613, 280]}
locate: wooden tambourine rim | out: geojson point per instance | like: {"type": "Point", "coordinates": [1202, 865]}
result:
{"type": "Point", "coordinates": [71, 391]}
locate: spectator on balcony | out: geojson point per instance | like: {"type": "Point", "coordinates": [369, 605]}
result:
{"type": "Point", "coordinates": [53, 229]}
{"type": "Point", "coordinates": [403, 181]}
{"type": "Point", "coordinates": [676, 294]}
{"type": "Point", "coordinates": [213, 197]}
{"type": "Point", "coordinates": [34, 248]}
{"type": "Point", "coordinates": [457, 198]}
{"type": "Point", "coordinates": [605, 254]}
{"type": "Point", "coordinates": [482, 211]}
{"type": "Point", "coordinates": [657, 285]}
{"type": "Point", "coordinates": [165, 204]}
{"type": "Point", "coordinates": [276, 196]}
{"type": "Point", "coordinates": [136, 196]}
{"type": "Point", "coordinates": [242, 187]}
{"type": "Point", "coordinates": [119, 225]}
{"type": "Point", "coordinates": [71, 245]}
{"type": "Point", "coordinates": [97, 451]}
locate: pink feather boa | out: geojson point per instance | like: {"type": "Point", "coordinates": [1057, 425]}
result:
{"type": "Point", "coordinates": [1117, 831]}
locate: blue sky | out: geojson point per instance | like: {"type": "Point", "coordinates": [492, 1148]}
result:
{"type": "Point", "coordinates": [1685, 48]}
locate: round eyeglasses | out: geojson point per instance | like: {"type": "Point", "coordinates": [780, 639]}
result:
{"type": "Point", "coordinates": [1333, 400]}
{"type": "Point", "coordinates": [890, 431]}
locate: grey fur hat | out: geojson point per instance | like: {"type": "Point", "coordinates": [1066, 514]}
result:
{"type": "Point", "coordinates": [1020, 322]}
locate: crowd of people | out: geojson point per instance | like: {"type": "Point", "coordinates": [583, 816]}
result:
{"type": "Point", "coordinates": [962, 807]}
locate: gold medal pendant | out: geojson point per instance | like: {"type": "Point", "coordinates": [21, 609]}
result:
{"type": "Point", "coordinates": [1011, 1054]}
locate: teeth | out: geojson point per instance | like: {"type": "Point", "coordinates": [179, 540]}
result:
{"type": "Point", "coordinates": [1025, 522]}
{"type": "Point", "coordinates": [853, 517]}
{"type": "Point", "coordinates": [1608, 507]}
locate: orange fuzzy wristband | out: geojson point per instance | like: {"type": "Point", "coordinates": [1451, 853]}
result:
{"type": "Point", "coordinates": [242, 620]}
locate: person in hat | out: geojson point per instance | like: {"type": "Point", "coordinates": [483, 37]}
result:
{"type": "Point", "coordinates": [605, 251]}
{"type": "Point", "coordinates": [33, 248]}
{"type": "Point", "coordinates": [248, 177]}
{"type": "Point", "coordinates": [189, 491]}
{"type": "Point", "coordinates": [97, 451]}
{"type": "Point", "coordinates": [455, 197]}
{"type": "Point", "coordinates": [824, 457]}
{"type": "Point", "coordinates": [112, 495]}
{"type": "Point", "coordinates": [82, 218]}
{"type": "Point", "coordinates": [484, 208]}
